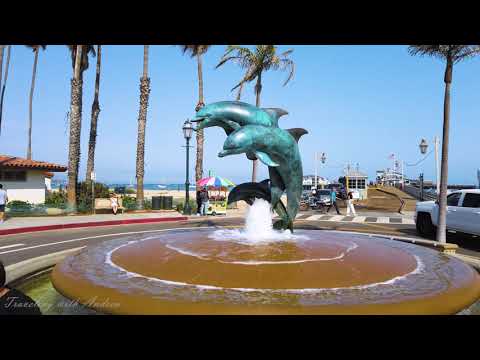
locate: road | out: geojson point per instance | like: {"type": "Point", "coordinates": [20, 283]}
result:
{"type": "Point", "coordinates": [16, 248]}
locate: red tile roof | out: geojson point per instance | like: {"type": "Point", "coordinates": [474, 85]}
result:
{"type": "Point", "coordinates": [17, 162]}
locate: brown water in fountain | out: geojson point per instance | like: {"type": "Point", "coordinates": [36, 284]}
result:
{"type": "Point", "coordinates": [189, 272]}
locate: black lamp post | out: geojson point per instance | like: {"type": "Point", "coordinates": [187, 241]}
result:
{"type": "Point", "coordinates": [323, 158]}
{"type": "Point", "coordinates": [187, 134]}
{"type": "Point", "coordinates": [423, 146]}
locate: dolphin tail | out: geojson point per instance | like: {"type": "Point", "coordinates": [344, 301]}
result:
{"type": "Point", "coordinates": [297, 133]}
{"type": "Point", "coordinates": [250, 191]}
{"type": "Point", "coordinates": [275, 113]}
{"type": "Point", "coordinates": [285, 222]}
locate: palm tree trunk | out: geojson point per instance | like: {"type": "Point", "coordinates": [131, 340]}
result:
{"type": "Point", "coordinates": [199, 134]}
{"type": "Point", "coordinates": [258, 90]}
{"type": "Point", "coordinates": [239, 93]}
{"type": "Point", "coordinates": [93, 122]}
{"type": "Point", "coordinates": [7, 65]}
{"type": "Point", "coordinates": [142, 123]}
{"type": "Point", "coordinates": [30, 104]}
{"type": "Point", "coordinates": [442, 213]}
{"type": "Point", "coordinates": [75, 132]}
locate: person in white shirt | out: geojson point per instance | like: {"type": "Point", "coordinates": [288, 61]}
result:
{"type": "Point", "coordinates": [3, 203]}
{"type": "Point", "coordinates": [350, 207]}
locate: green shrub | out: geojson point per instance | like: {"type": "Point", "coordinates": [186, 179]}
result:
{"type": "Point", "coordinates": [56, 199]}
{"type": "Point", "coordinates": [84, 195]}
{"type": "Point", "coordinates": [181, 204]}
{"type": "Point", "coordinates": [129, 191]}
{"type": "Point", "coordinates": [18, 206]}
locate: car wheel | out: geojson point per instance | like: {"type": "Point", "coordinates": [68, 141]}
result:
{"type": "Point", "coordinates": [425, 226]}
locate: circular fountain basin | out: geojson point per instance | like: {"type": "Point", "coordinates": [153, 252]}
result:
{"type": "Point", "coordinates": [204, 271]}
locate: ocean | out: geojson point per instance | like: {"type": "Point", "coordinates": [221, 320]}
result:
{"type": "Point", "coordinates": [145, 186]}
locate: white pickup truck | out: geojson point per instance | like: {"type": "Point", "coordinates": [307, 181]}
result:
{"type": "Point", "coordinates": [463, 214]}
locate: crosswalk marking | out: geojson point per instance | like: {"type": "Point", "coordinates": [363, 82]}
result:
{"type": "Point", "coordinates": [356, 219]}
{"type": "Point", "coordinates": [314, 217]}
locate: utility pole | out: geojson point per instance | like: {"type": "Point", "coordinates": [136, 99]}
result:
{"type": "Point", "coordinates": [436, 141]}
{"type": "Point", "coordinates": [316, 169]}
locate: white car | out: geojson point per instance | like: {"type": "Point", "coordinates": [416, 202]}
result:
{"type": "Point", "coordinates": [463, 214]}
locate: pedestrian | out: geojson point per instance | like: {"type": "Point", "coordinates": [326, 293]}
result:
{"type": "Point", "coordinates": [205, 203]}
{"type": "Point", "coordinates": [333, 198]}
{"type": "Point", "coordinates": [14, 302]}
{"type": "Point", "coordinates": [350, 207]}
{"type": "Point", "coordinates": [199, 200]}
{"type": "Point", "coordinates": [114, 203]}
{"type": "Point", "coordinates": [3, 203]}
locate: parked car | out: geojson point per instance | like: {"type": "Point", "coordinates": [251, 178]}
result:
{"type": "Point", "coordinates": [463, 214]}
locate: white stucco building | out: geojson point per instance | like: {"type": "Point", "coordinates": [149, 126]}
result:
{"type": "Point", "coordinates": [26, 180]}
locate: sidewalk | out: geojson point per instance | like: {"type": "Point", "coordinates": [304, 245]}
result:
{"type": "Point", "coordinates": [17, 225]}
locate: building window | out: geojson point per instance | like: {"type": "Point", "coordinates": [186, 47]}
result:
{"type": "Point", "coordinates": [361, 184]}
{"type": "Point", "coordinates": [352, 183]}
{"type": "Point", "coordinates": [13, 175]}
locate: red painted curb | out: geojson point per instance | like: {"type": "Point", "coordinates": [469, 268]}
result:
{"type": "Point", "coordinates": [89, 224]}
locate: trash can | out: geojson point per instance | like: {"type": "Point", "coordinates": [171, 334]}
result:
{"type": "Point", "coordinates": [156, 202]}
{"type": "Point", "coordinates": [168, 202]}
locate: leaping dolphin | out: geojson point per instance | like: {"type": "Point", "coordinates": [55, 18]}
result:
{"type": "Point", "coordinates": [278, 149]}
{"type": "Point", "coordinates": [231, 115]}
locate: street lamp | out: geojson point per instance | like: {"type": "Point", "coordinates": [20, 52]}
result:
{"type": "Point", "coordinates": [423, 149]}
{"type": "Point", "coordinates": [423, 146]}
{"type": "Point", "coordinates": [323, 158]}
{"type": "Point", "coordinates": [187, 134]}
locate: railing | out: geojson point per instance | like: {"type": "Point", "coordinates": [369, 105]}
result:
{"type": "Point", "coordinates": [416, 193]}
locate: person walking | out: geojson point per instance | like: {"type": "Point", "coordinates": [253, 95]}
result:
{"type": "Point", "coordinates": [3, 203]}
{"type": "Point", "coordinates": [350, 207]}
{"type": "Point", "coordinates": [199, 201]}
{"type": "Point", "coordinates": [333, 198]}
{"type": "Point", "coordinates": [204, 198]}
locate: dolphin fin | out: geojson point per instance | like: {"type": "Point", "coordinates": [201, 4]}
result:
{"type": "Point", "coordinates": [251, 156]}
{"type": "Point", "coordinates": [266, 159]}
{"type": "Point", "coordinates": [297, 133]}
{"type": "Point", "coordinates": [230, 126]}
{"type": "Point", "coordinates": [275, 113]}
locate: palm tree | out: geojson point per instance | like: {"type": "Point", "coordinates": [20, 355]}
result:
{"type": "Point", "coordinates": [142, 123]}
{"type": "Point", "coordinates": [256, 62]}
{"type": "Point", "coordinates": [79, 54]}
{"type": "Point", "coordinates": [451, 54]}
{"type": "Point", "coordinates": [3, 85]}
{"type": "Point", "coordinates": [94, 119]}
{"type": "Point", "coordinates": [198, 51]}
{"type": "Point", "coordinates": [36, 50]}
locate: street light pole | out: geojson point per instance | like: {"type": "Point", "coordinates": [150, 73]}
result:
{"type": "Point", "coordinates": [316, 170]}
{"type": "Point", "coordinates": [187, 133]}
{"type": "Point", "coordinates": [436, 141]}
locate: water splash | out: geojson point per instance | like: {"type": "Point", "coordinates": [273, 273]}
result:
{"type": "Point", "coordinates": [258, 227]}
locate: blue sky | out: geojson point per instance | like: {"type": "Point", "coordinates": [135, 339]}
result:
{"type": "Point", "coordinates": [359, 104]}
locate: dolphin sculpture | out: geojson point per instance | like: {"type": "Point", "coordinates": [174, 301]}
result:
{"type": "Point", "coordinates": [255, 132]}
{"type": "Point", "coordinates": [278, 149]}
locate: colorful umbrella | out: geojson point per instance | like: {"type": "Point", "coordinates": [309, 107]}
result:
{"type": "Point", "coordinates": [216, 181]}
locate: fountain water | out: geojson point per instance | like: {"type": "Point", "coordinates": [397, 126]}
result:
{"type": "Point", "coordinates": [258, 227]}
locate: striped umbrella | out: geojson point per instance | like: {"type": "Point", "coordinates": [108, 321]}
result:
{"type": "Point", "coordinates": [216, 181]}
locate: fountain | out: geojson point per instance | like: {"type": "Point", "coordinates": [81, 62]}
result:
{"type": "Point", "coordinates": [264, 267]}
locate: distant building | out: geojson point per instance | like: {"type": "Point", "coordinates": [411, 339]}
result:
{"type": "Point", "coordinates": [389, 177]}
{"type": "Point", "coordinates": [27, 180]}
{"type": "Point", "coordinates": [309, 182]}
{"type": "Point", "coordinates": [356, 181]}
